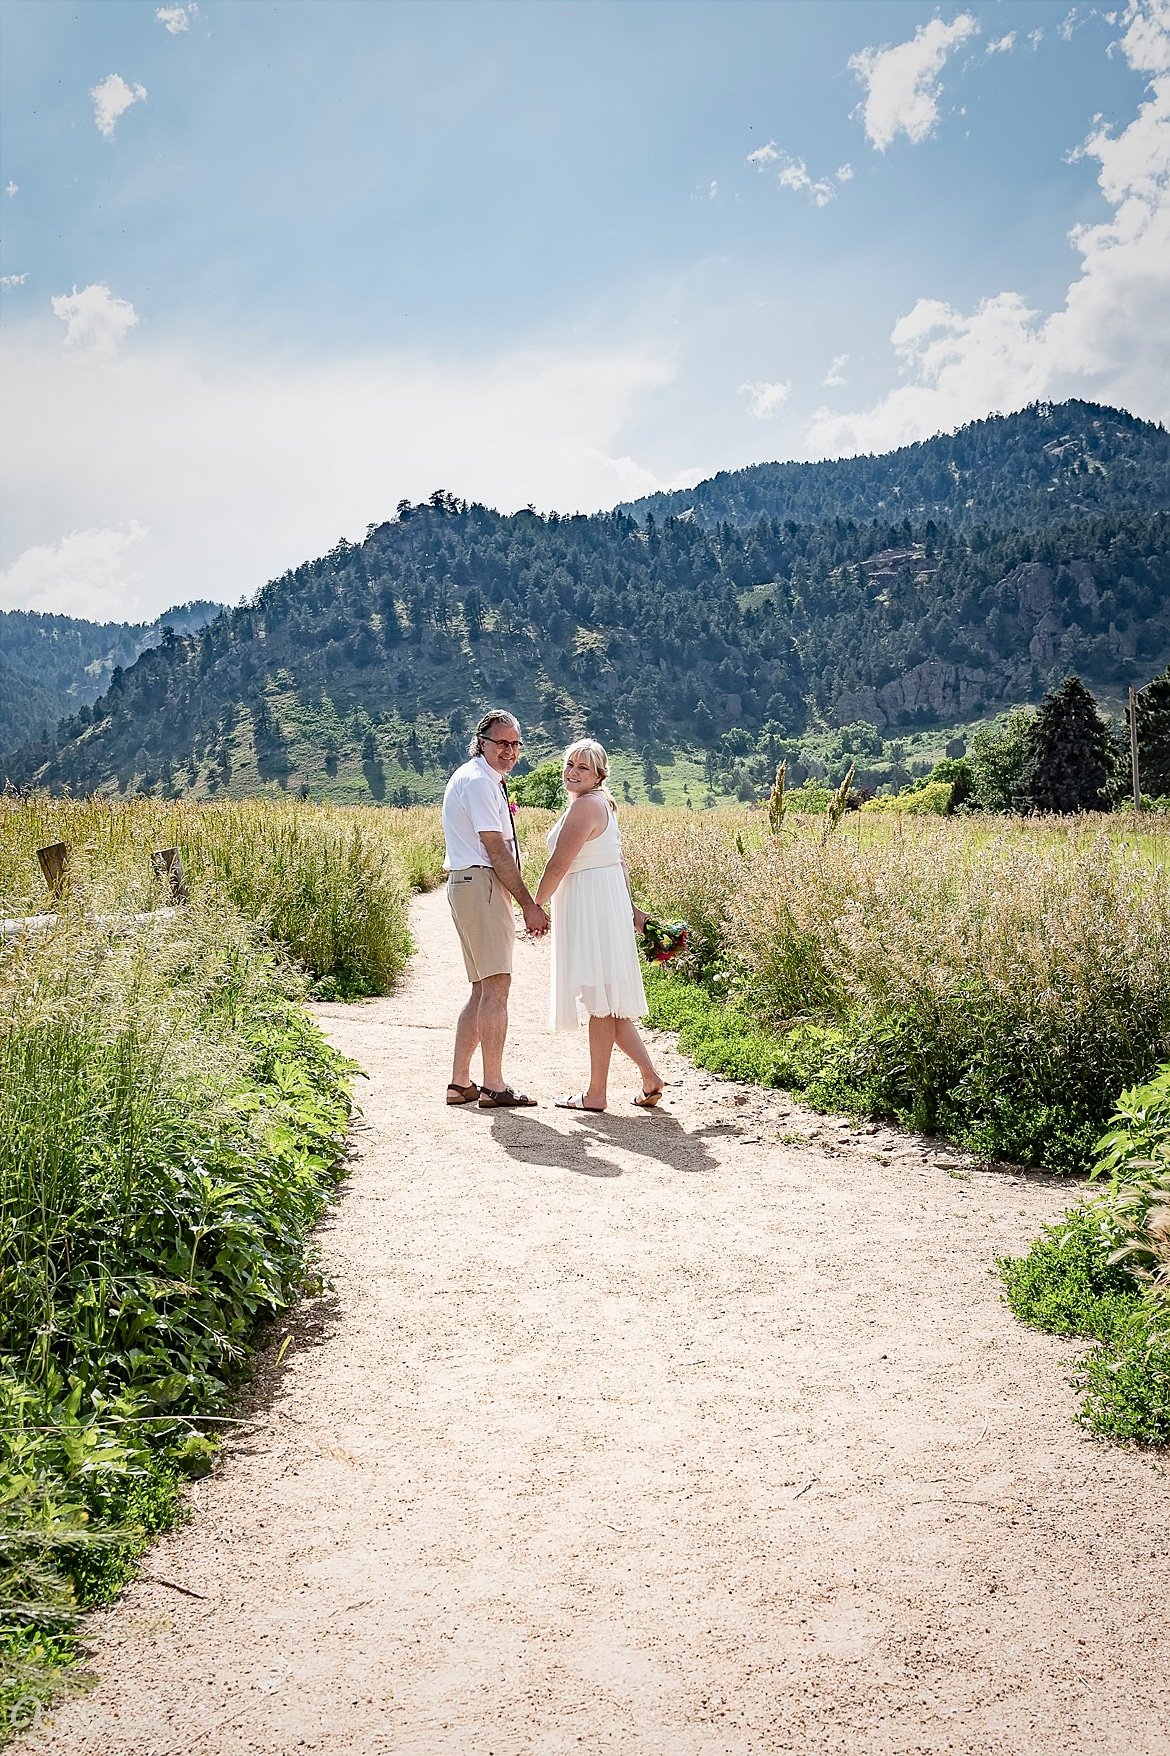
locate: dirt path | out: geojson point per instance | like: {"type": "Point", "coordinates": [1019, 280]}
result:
{"type": "Point", "coordinates": [660, 1434]}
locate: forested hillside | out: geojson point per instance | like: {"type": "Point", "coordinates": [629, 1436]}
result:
{"type": "Point", "coordinates": [51, 665]}
{"type": "Point", "coordinates": [1051, 462]}
{"type": "Point", "coordinates": [359, 673]}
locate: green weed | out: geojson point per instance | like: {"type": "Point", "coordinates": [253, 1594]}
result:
{"type": "Point", "coordinates": [172, 1126]}
{"type": "Point", "coordinates": [1100, 1273]}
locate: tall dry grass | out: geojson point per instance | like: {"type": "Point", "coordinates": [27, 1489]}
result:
{"type": "Point", "coordinates": [1001, 984]}
{"type": "Point", "coordinates": [329, 883]}
{"type": "Point", "coordinates": [691, 866]}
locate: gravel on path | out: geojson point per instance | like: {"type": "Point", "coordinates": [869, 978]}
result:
{"type": "Point", "coordinates": [694, 1432]}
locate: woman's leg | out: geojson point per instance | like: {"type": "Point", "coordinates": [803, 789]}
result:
{"type": "Point", "coordinates": [629, 1041]}
{"type": "Point", "coordinates": [602, 1033]}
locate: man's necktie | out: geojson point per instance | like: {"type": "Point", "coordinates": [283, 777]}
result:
{"type": "Point", "coordinates": [511, 822]}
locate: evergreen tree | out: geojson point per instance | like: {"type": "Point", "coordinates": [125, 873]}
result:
{"type": "Point", "coordinates": [1069, 758]}
{"type": "Point", "coordinates": [1153, 721]}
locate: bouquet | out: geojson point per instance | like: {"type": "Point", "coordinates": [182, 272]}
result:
{"type": "Point", "coordinates": [662, 940]}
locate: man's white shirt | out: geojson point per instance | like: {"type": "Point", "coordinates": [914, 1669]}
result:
{"type": "Point", "coordinates": [474, 801]}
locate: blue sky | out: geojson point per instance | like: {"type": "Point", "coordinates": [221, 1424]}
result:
{"type": "Point", "coordinates": [269, 267]}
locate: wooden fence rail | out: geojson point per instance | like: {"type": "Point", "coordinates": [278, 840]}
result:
{"type": "Point", "coordinates": [167, 864]}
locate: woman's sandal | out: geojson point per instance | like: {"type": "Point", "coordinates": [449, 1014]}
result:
{"type": "Point", "coordinates": [646, 1100]}
{"type": "Point", "coordinates": [507, 1099]}
{"type": "Point", "coordinates": [577, 1102]}
{"type": "Point", "coordinates": [462, 1094]}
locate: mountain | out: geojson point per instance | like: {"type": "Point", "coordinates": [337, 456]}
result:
{"type": "Point", "coordinates": [1051, 463]}
{"type": "Point", "coordinates": [359, 674]}
{"type": "Point", "coordinates": [51, 665]}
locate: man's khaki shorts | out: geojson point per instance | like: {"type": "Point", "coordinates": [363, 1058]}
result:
{"type": "Point", "coordinates": [482, 911]}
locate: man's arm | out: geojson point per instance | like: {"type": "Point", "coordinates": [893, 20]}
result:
{"type": "Point", "coordinates": [508, 872]}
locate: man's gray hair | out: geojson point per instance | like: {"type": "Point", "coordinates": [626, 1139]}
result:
{"type": "Point", "coordinates": [495, 716]}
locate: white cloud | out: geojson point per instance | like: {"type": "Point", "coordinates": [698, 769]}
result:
{"type": "Point", "coordinates": [13, 280]}
{"type": "Point", "coordinates": [794, 173]}
{"type": "Point", "coordinates": [96, 320]}
{"type": "Point", "coordinates": [764, 399]}
{"type": "Point", "coordinates": [84, 574]}
{"type": "Point", "coordinates": [228, 470]}
{"type": "Point", "coordinates": [902, 83]}
{"type": "Point", "coordinates": [1146, 42]}
{"type": "Point", "coordinates": [845, 173]}
{"type": "Point", "coordinates": [111, 99]}
{"type": "Point", "coordinates": [1111, 339]}
{"type": "Point", "coordinates": [1002, 45]}
{"type": "Point", "coordinates": [836, 373]}
{"type": "Point", "coordinates": [1068, 25]}
{"type": "Point", "coordinates": [1036, 37]}
{"type": "Point", "coordinates": [176, 18]}
{"type": "Point", "coordinates": [11, 188]}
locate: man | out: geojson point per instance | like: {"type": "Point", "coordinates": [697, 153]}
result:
{"type": "Point", "coordinates": [483, 875]}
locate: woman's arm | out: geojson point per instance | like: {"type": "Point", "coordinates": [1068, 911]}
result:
{"type": "Point", "coordinates": [640, 915]}
{"type": "Point", "coordinates": [586, 818]}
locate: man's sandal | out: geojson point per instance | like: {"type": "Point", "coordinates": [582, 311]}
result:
{"type": "Point", "coordinates": [462, 1094]}
{"type": "Point", "coordinates": [577, 1102]}
{"type": "Point", "coordinates": [505, 1100]}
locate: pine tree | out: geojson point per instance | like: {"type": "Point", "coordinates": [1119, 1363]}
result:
{"type": "Point", "coordinates": [1153, 719]}
{"type": "Point", "coordinates": [1069, 756]}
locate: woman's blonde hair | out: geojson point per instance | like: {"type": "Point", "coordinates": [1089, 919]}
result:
{"type": "Point", "coordinates": [597, 758]}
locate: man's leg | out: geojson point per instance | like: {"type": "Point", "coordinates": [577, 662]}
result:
{"type": "Point", "coordinates": [492, 1024]}
{"type": "Point", "coordinates": [466, 1037]}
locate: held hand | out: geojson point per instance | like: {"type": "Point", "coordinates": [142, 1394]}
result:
{"type": "Point", "coordinates": [640, 918]}
{"type": "Point", "coordinates": [536, 920]}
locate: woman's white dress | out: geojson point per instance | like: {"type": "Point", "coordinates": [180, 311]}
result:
{"type": "Point", "coordinates": [595, 967]}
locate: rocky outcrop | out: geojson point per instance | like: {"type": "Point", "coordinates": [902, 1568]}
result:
{"type": "Point", "coordinates": [936, 688]}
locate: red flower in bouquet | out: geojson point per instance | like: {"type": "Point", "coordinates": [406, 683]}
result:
{"type": "Point", "coordinates": [663, 940]}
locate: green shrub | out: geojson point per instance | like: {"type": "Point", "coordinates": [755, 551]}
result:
{"type": "Point", "coordinates": [1126, 1382]}
{"type": "Point", "coordinates": [171, 1129]}
{"type": "Point", "coordinates": [1067, 1283]}
{"type": "Point", "coordinates": [718, 1036]}
{"type": "Point", "coordinates": [813, 799]}
{"type": "Point", "coordinates": [932, 799]}
{"type": "Point", "coordinates": [541, 787]}
{"type": "Point", "coordinates": [1135, 1156]}
{"type": "Point", "coordinates": [1081, 1276]}
{"type": "Point", "coordinates": [1070, 1283]}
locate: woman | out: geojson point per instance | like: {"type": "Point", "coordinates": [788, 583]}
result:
{"type": "Point", "coordinates": [595, 969]}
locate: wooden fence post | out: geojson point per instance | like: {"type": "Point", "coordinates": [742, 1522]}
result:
{"type": "Point", "coordinates": [1133, 750]}
{"type": "Point", "coordinates": [168, 866]}
{"type": "Point", "coordinates": [55, 866]}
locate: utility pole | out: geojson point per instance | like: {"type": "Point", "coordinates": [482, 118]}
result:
{"type": "Point", "coordinates": [1133, 749]}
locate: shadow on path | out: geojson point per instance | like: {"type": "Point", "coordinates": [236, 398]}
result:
{"type": "Point", "coordinates": [655, 1136]}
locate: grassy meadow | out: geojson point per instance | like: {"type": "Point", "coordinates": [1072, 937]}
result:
{"type": "Point", "coordinates": [172, 1123]}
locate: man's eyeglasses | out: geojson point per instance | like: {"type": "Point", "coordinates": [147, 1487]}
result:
{"type": "Point", "coordinates": [506, 743]}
